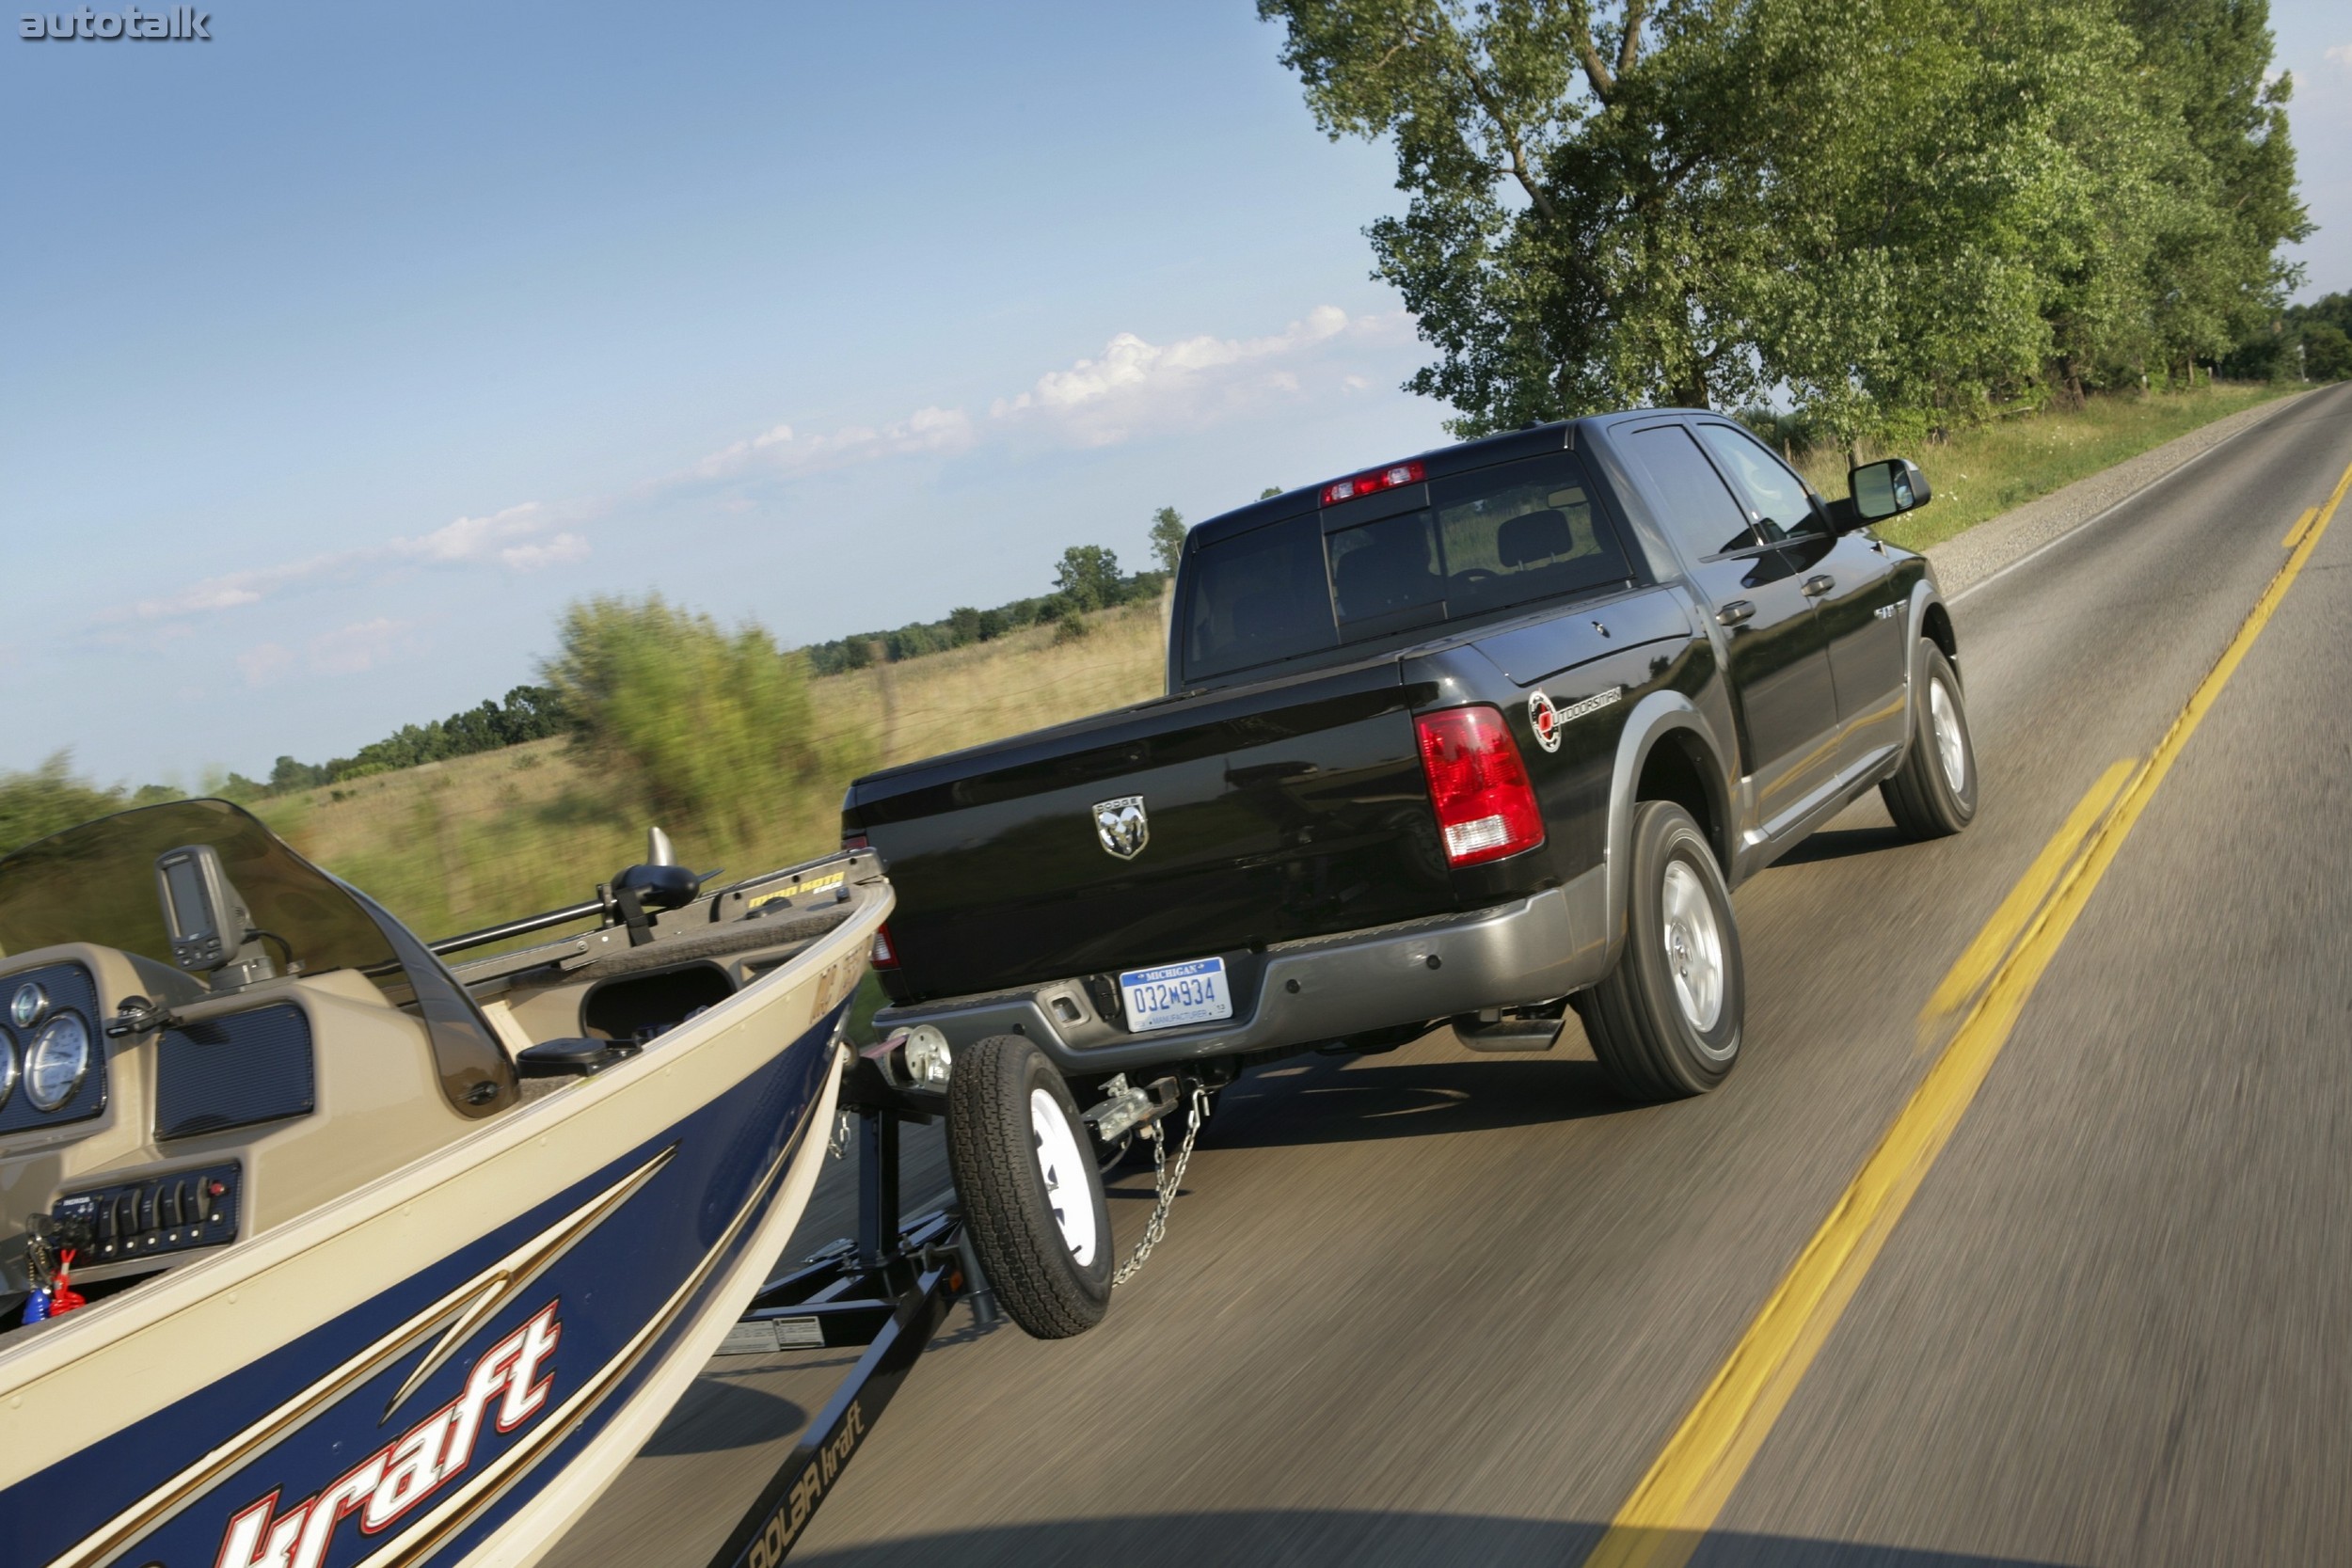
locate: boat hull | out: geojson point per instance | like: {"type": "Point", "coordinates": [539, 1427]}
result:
{"type": "Point", "coordinates": [446, 1365]}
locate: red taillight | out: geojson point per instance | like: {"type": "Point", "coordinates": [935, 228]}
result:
{"type": "Point", "coordinates": [1366, 483]}
{"type": "Point", "coordinates": [852, 839]}
{"type": "Point", "coordinates": [1485, 807]}
{"type": "Point", "coordinates": [884, 956]}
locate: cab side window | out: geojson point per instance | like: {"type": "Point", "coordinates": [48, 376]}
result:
{"type": "Point", "coordinates": [1777, 503]}
{"type": "Point", "coordinates": [1703, 516]}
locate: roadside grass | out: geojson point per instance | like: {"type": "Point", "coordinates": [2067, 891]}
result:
{"type": "Point", "coordinates": [1984, 472]}
{"type": "Point", "coordinates": [458, 845]}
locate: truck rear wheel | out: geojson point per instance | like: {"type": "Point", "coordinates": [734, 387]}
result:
{"type": "Point", "coordinates": [1665, 1023]}
{"type": "Point", "coordinates": [1032, 1193]}
{"type": "Point", "coordinates": [1934, 795]}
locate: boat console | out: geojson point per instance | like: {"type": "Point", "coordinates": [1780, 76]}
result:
{"type": "Point", "coordinates": [202, 1036]}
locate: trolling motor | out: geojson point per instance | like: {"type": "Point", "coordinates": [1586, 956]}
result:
{"type": "Point", "coordinates": [658, 882]}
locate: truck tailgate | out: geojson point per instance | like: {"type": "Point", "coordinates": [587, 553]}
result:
{"type": "Point", "coordinates": [1295, 808]}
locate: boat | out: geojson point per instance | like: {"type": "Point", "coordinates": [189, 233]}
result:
{"type": "Point", "coordinates": [321, 1247]}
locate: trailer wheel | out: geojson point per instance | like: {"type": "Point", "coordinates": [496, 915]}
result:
{"type": "Point", "coordinates": [1032, 1193]}
{"type": "Point", "coordinates": [1666, 1023]}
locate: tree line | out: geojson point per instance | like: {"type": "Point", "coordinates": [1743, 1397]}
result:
{"type": "Point", "coordinates": [1086, 579]}
{"type": "Point", "coordinates": [2302, 342]}
{"type": "Point", "coordinates": [1894, 215]}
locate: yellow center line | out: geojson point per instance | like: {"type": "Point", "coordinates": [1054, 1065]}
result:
{"type": "Point", "coordinates": [1999, 934]}
{"type": "Point", "coordinates": [2294, 534]}
{"type": "Point", "coordinates": [1673, 1507]}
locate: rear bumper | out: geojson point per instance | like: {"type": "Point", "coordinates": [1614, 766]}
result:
{"type": "Point", "coordinates": [1532, 949]}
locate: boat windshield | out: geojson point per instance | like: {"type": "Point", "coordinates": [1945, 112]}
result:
{"type": "Point", "coordinates": [96, 883]}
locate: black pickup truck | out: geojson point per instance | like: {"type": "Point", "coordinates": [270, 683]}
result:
{"type": "Point", "coordinates": [1471, 739]}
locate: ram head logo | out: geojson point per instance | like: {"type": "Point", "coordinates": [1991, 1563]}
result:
{"type": "Point", "coordinates": [1121, 826]}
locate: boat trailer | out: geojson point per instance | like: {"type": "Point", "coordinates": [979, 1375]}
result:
{"type": "Point", "coordinates": [889, 1291]}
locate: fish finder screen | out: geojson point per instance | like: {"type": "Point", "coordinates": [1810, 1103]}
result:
{"type": "Point", "coordinates": [190, 914]}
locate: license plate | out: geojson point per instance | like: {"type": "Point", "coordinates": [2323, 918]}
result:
{"type": "Point", "coordinates": [1176, 994]}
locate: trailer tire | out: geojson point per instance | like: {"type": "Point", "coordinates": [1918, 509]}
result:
{"type": "Point", "coordinates": [1032, 1193]}
{"type": "Point", "coordinates": [1665, 1023]}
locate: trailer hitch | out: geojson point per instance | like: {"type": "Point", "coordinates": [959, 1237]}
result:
{"type": "Point", "coordinates": [1125, 1108]}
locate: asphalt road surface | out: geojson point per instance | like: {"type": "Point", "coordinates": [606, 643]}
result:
{"type": "Point", "coordinates": [1440, 1308]}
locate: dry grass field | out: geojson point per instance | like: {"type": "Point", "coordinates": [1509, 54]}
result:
{"type": "Point", "coordinates": [456, 844]}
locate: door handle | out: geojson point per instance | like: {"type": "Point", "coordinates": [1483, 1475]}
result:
{"type": "Point", "coordinates": [1735, 613]}
{"type": "Point", "coordinates": [1816, 586]}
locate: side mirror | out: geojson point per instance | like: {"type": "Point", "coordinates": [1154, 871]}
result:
{"type": "Point", "coordinates": [1884, 489]}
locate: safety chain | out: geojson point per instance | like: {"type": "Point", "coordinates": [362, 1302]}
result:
{"type": "Point", "coordinates": [1165, 1184]}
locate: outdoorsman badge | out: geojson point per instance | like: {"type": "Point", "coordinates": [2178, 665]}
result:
{"type": "Point", "coordinates": [1546, 721]}
{"type": "Point", "coordinates": [1121, 826]}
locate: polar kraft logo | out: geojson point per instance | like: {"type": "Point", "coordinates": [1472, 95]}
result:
{"type": "Point", "coordinates": [182, 22]}
{"type": "Point", "coordinates": [1121, 826]}
{"type": "Point", "coordinates": [402, 1474]}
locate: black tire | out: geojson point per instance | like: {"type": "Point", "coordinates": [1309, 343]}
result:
{"type": "Point", "coordinates": [998, 1151]}
{"type": "Point", "coordinates": [1654, 1041]}
{"type": "Point", "coordinates": [1924, 798]}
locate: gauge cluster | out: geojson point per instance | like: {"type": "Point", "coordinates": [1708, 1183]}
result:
{"type": "Point", "coordinates": [53, 1067]}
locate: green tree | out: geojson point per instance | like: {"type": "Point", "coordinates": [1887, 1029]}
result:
{"type": "Point", "coordinates": [292, 775]}
{"type": "Point", "coordinates": [48, 800]}
{"type": "Point", "coordinates": [703, 721]}
{"type": "Point", "coordinates": [1168, 537]}
{"type": "Point", "coordinates": [1900, 210]}
{"type": "Point", "coordinates": [1570, 240]}
{"type": "Point", "coordinates": [2221, 277]}
{"type": "Point", "coordinates": [1087, 576]}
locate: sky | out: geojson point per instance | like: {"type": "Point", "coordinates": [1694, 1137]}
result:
{"type": "Point", "coordinates": [340, 353]}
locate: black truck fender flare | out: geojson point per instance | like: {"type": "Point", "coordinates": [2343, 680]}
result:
{"type": "Point", "coordinates": [1927, 616]}
{"type": "Point", "coordinates": [1654, 719]}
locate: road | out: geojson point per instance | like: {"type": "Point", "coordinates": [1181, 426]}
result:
{"type": "Point", "coordinates": [1438, 1307]}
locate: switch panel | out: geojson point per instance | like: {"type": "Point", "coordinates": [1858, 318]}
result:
{"type": "Point", "coordinates": [153, 1215]}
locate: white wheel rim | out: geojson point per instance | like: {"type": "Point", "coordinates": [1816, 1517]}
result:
{"type": "Point", "coordinates": [1063, 1169]}
{"type": "Point", "coordinates": [1950, 749]}
{"type": "Point", "coordinates": [1694, 946]}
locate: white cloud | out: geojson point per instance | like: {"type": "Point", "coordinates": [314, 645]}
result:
{"type": "Point", "coordinates": [2340, 54]}
{"type": "Point", "coordinates": [560, 550]}
{"type": "Point", "coordinates": [473, 538]}
{"type": "Point", "coordinates": [1137, 386]}
{"type": "Point", "coordinates": [510, 538]}
{"type": "Point", "coordinates": [784, 451]}
{"type": "Point", "coordinates": [1133, 387]}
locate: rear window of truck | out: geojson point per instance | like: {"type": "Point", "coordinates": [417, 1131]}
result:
{"type": "Point", "coordinates": [1488, 540]}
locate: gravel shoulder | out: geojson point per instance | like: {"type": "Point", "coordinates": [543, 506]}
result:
{"type": "Point", "coordinates": [1992, 546]}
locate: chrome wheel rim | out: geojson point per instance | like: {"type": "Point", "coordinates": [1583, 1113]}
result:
{"type": "Point", "coordinates": [1950, 747]}
{"type": "Point", "coordinates": [1694, 946]}
{"type": "Point", "coordinates": [1063, 1170]}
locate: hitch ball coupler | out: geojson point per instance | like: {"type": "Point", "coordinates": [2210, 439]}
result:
{"type": "Point", "coordinates": [1124, 1108]}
